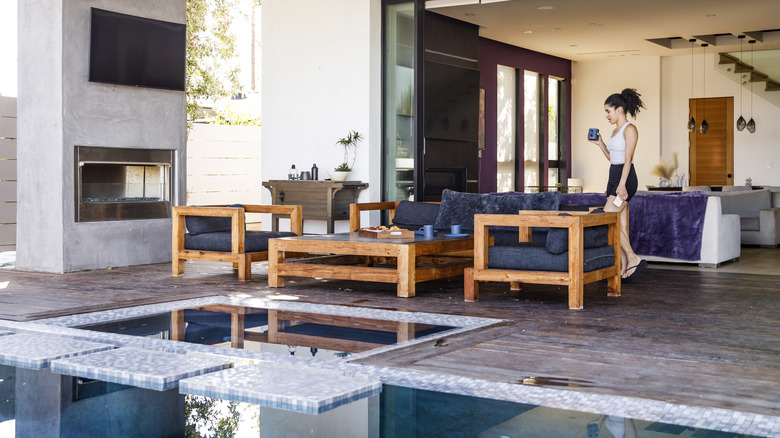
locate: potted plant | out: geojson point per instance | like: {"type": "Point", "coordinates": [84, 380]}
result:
{"type": "Point", "coordinates": [341, 171]}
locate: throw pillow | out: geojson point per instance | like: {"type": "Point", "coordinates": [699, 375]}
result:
{"type": "Point", "coordinates": [413, 215]}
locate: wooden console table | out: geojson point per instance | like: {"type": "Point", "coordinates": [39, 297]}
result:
{"type": "Point", "coordinates": [321, 200]}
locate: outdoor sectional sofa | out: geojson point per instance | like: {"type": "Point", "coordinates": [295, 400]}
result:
{"type": "Point", "coordinates": [218, 233]}
{"type": "Point", "coordinates": [520, 237]}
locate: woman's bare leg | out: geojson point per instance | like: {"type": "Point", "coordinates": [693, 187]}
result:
{"type": "Point", "coordinates": [629, 257]}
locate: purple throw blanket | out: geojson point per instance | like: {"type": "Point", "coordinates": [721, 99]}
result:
{"type": "Point", "coordinates": [660, 224]}
{"type": "Point", "coordinates": [668, 224]}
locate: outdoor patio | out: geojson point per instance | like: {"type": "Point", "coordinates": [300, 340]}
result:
{"type": "Point", "coordinates": [699, 338]}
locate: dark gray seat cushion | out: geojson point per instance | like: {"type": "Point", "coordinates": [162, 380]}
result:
{"type": "Point", "coordinates": [413, 215]}
{"type": "Point", "coordinates": [208, 224]}
{"type": "Point", "coordinates": [533, 258]}
{"type": "Point", "coordinates": [459, 208]}
{"type": "Point", "coordinates": [593, 237]}
{"type": "Point", "coordinates": [254, 241]}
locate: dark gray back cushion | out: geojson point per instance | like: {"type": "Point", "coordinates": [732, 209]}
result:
{"type": "Point", "coordinates": [458, 208]}
{"type": "Point", "coordinates": [745, 204]}
{"type": "Point", "coordinates": [593, 237]}
{"type": "Point", "coordinates": [208, 224]}
{"type": "Point", "coordinates": [413, 215]}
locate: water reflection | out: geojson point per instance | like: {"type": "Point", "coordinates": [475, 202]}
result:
{"type": "Point", "coordinates": [270, 330]}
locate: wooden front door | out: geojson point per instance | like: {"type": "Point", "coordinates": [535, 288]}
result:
{"type": "Point", "coordinates": [711, 155]}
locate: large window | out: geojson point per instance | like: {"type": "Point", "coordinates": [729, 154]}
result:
{"type": "Point", "coordinates": [399, 108]}
{"type": "Point", "coordinates": [506, 138]}
{"type": "Point", "coordinates": [532, 86]}
{"type": "Point", "coordinates": [541, 144]}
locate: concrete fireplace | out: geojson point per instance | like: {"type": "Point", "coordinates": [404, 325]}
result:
{"type": "Point", "coordinates": [99, 165]}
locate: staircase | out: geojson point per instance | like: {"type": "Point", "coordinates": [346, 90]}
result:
{"type": "Point", "coordinates": [746, 75]}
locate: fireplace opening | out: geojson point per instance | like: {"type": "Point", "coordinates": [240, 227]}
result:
{"type": "Point", "coordinates": [123, 184]}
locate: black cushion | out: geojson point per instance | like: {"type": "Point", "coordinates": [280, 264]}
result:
{"type": "Point", "coordinates": [254, 241]}
{"type": "Point", "coordinates": [460, 208]}
{"type": "Point", "coordinates": [558, 238]}
{"type": "Point", "coordinates": [413, 215]}
{"type": "Point", "coordinates": [208, 224]}
{"type": "Point", "coordinates": [533, 258]}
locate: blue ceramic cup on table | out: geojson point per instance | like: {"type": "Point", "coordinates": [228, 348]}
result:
{"type": "Point", "coordinates": [455, 229]}
{"type": "Point", "coordinates": [428, 230]}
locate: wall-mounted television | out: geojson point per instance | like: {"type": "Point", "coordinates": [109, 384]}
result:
{"type": "Point", "coordinates": [137, 51]}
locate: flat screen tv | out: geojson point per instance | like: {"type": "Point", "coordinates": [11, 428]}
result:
{"type": "Point", "coordinates": [137, 51]}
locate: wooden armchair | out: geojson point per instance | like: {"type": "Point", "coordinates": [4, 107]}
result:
{"type": "Point", "coordinates": [218, 233]}
{"type": "Point", "coordinates": [564, 268]}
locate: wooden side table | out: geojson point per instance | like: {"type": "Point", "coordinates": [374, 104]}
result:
{"type": "Point", "coordinates": [321, 200]}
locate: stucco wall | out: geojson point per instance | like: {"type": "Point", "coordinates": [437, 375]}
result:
{"type": "Point", "coordinates": [592, 83]}
{"type": "Point", "coordinates": [321, 79]}
{"type": "Point", "coordinates": [60, 109]}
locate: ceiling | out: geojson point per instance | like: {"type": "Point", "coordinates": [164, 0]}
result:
{"type": "Point", "coordinates": [585, 30]}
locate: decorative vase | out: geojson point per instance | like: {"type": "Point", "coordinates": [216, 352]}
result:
{"type": "Point", "coordinates": [338, 176]}
{"type": "Point", "coordinates": [664, 182]}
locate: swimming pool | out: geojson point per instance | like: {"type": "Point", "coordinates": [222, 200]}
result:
{"type": "Point", "coordinates": [388, 401]}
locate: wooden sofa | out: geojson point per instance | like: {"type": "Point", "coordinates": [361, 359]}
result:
{"type": "Point", "coordinates": [575, 275]}
{"type": "Point", "coordinates": [218, 233]}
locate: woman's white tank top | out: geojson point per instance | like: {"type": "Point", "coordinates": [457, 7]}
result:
{"type": "Point", "coordinates": [617, 147]}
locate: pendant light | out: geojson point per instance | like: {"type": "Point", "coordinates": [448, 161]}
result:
{"type": "Point", "coordinates": [705, 127]}
{"type": "Point", "coordinates": [751, 125]}
{"type": "Point", "coordinates": [692, 121]}
{"type": "Point", "coordinates": [741, 121]}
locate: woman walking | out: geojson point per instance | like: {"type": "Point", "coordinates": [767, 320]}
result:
{"type": "Point", "coordinates": [622, 184]}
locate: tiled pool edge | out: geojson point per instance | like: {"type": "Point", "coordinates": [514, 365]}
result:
{"type": "Point", "coordinates": [643, 409]}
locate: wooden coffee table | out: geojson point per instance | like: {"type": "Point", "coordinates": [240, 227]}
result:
{"type": "Point", "coordinates": [348, 256]}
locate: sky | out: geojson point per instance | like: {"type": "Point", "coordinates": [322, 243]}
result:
{"type": "Point", "coordinates": [8, 47]}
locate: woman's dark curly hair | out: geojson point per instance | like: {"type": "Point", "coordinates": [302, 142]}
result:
{"type": "Point", "coordinates": [627, 99]}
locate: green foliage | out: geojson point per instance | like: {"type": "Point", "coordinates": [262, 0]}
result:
{"type": "Point", "coordinates": [350, 141]}
{"type": "Point", "coordinates": [227, 116]}
{"type": "Point", "coordinates": [211, 46]}
{"type": "Point", "coordinates": [204, 414]}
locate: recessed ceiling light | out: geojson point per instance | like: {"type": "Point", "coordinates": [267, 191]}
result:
{"type": "Point", "coordinates": [710, 15]}
{"type": "Point", "coordinates": [556, 29]}
{"type": "Point", "coordinates": [545, 8]}
{"type": "Point", "coordinates": [528, 31]}
{"type": "Point", "coordinates": [573, 45]}
{"type": "Point", "coordinates": [596, 25]}
{"type": "Point", "coordinates": [470, 14]}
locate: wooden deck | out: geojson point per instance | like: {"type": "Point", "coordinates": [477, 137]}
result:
{"type": "Point", "coordinates": [695, 337]}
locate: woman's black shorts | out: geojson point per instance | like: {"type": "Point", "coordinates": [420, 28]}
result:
{"type": "Point", "coordinates": [615, 172]}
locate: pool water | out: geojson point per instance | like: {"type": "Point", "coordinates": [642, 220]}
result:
{"type": "Point", "coordinates": [398, 412]}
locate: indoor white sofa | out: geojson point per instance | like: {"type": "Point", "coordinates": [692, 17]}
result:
{"type": "Point", "coordinates": [720, 238]}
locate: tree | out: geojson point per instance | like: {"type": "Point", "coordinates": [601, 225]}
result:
{"type": "Point", "coordinates": [211, 46]}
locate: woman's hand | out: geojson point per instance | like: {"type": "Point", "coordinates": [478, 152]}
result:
{"type": "Point", "coordinates": [598, 141]}
{"type": "Point", "coordinates": [621, 192]}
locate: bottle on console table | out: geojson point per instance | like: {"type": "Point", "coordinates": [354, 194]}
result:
{"type": "Point", "coordinates": [315, 173]}
{"type": "Point", "coordinates": [292, 173]}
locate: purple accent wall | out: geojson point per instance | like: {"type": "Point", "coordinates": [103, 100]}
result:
{"type": "Point", "coordinates": [493, 53]}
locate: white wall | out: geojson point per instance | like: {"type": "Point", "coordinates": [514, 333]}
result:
{"type": "Point", "coordinates": [592, 83]}
{"type": "Point", "coordinates": [665, 85]}
{"type": "Point", "coordinates": [321, 79]}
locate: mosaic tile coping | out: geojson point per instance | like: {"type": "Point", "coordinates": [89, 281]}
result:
{"type": "Point", "coordinates": [280, 386]}
{"type": "Point", "coordinates": [36, 351]}
{"type": "Point", "coordinates": [148, 369]}
{"type": "Point", "coordinates": [642, 409]}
